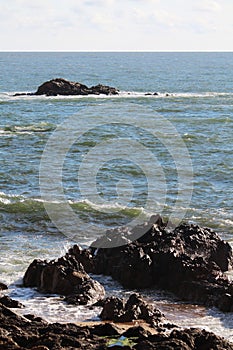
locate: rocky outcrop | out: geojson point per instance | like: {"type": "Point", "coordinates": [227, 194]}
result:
{"type": "Point", "coordinates": [11, 303]}
{"type": "Point", "coordinates": [27, 332]}
{"type": "Point", "coordinates": [189, 260]}
{"type": "Point", "coordinates": [61, 86]}
{"type": "Point", "coordinates": [65, 276]}
{"type": "Point", "coordinates": [3, 286]}
{"type": "Point", "coordinates": [135, 308]}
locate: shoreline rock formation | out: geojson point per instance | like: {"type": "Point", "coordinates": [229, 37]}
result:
{"type": "Point", "coordinates": [30, 332]}
{"type": "Point", "coordinates": [60, 86]}
{"type": "Point", "coordinates": [135, 308]}
{"type": "Point", "coordinates": [65, 276]}
{"type": "Point", "coordinates": [189, 261]}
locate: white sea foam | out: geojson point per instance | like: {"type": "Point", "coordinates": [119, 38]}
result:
{"type": "Point", "coordinates": [27, 129]}
{"type": "Point", "coordinates": [9, 96]}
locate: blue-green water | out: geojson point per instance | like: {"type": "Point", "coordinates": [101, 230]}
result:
{"type": "Point", "coordinates": [191, 179]}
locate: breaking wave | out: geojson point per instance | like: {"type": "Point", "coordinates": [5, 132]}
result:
{"type": "Point", "coordinates": [9, 96]}
{"type": "Point", "coordinates": [28, 129]}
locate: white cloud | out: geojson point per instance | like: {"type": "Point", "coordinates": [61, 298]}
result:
{"type": "Point", "coordinates": [109, 24]}
{"type": "Point", "coordinates": [103, 21]}
{"type": "Point", "coordinates": [167, 19]}
{"type": "Point", "coordinates": [210, 6]}
{"type": "Point", "coordinates": [158, 18]}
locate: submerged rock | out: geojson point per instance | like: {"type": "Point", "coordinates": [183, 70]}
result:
{"type": "Point", "coordinates": [189, 260]}
{"type": "Point", "coordinates": [60, 86]}
{"type": "Point", "coordinates": [24, 94]}
{"type": "Point", "coordinates": [65, 276]}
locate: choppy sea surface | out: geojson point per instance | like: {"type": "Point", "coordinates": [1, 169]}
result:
{"type": "Point", "coordinates": [121, 157]}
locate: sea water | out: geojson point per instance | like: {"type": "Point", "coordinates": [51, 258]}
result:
{"type": "Point", "coordinates": [126, 156]}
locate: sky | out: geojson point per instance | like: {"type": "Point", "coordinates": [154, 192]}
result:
{"type": "Point", "coordinates": [116, 25]}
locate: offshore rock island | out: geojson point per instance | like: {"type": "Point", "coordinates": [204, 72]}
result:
{"type": "Point", "coordinates": [63, 87]}
{"type": "Point", "coordinates": [60, 86]}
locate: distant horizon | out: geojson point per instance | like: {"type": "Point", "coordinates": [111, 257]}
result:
{"type": "Point", "coordinates": [120, 51]}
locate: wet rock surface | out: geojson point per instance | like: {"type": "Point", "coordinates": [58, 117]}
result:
{"type": "Point", "coordinates": [188, 260]}
{"type": "Point", "coordinates": [19, 333]}
{"type": "Point", "coordinates": [135, 308]}
{"type": "Point", "coordinates": [65, 276]}
{"type": "Point", "coordinates": [3, 286]}
{"type": "Point", "coordinates": [8, 302]}
{"type": "Point", "coordinates": [60, 86]}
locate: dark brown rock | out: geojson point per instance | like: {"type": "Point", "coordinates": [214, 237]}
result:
{"type": "Point", "coordinates": [65, 276]}
{"type": "Point", "coordinates": [18, 333]}
{"type": "Point", "coordinates": [225, 302]}
{"type": "Point", "coordinates": [188, 260]}
{"type": "Point", "coordinates": [113, 309]}
{"type": "Point", "coordinates": [103, 89]}
{"type": "Point", "coordinates": [135, 308]}
{"type": "Point", "coordinates": [32, 277]}
{"type": "Point", "coordinates": [136, 332]}
{"type": "Point", "coordinates": [199, 339]}
{"type": "Point", "coordinates": [83, 256]}
{"type": "Point", "coordinates": [3, 286]}
{"type": "Point", "coordinates": [8, 302]}
{"type": "Point", "coordinates": [24, 94]}
{"type": "Point", "coordinates": [106, 329]}
{"type": "Point", "coordinates": [61, 86]}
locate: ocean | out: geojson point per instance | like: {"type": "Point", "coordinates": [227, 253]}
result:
{"type": "Point", "coordinates": [74, 166]}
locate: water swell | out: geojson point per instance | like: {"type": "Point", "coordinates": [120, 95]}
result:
{"type": "Point", "coordinates": [111, 215]}
{"type": "Point", "coordinates": [21, 204]}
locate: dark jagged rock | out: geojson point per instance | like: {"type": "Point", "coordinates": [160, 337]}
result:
{"type": "Point", "coordinates": [106, 329]}
{"type": "Point", "coordinates": [3, 286]}
{"type": "Point", "coordinates": [83, 256]}
{"type": "Point", "coordinates": [61, 86]}
{"type": "Point", "coordinates": [189, 260]}
{"type": "Point", "coordinates": [113, 309]}
{"type": "Point", "coordinates": [103, 89]}
{"type": "Point", "coordinates": [150, 94]}
{"type": "Point", "coordinates": [136, 332]}
{"type": "Point", "coordinates": [135, 308]}
{"type": "Point", "coordinates": [65, 276]}
{"type": "Point", "coordinates": [8, 302]}
{"type": "Point", "coordinates": [24, 94]}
